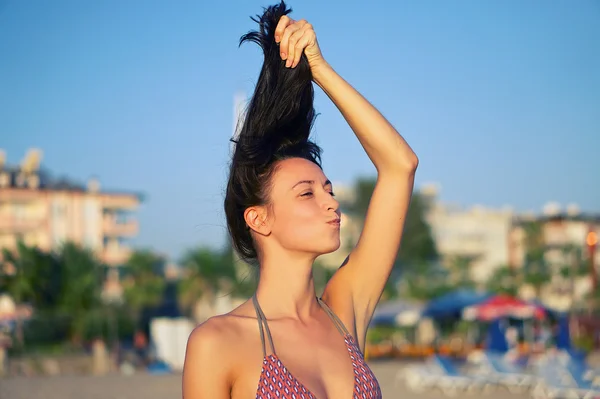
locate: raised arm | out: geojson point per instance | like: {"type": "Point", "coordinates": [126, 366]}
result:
{"type": "Point", "coordinates": [369, 265]}
{"type": "Point", "coordinates": [361, 280]}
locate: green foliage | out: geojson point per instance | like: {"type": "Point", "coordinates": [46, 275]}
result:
{"type": "Point", "coordinates": [426, 286]}
{"type": "Point", "coordinates": [417, 244]}
{"type": "Point", "coordinates": [504, 280]}
{"type": "Point", "coordinates": [144, 283]}
{"type": "Point", "coordinates": [460, 272]}
{"type": "Point", "coordinates": [82, 280]}
{"type": "Point", "coordinates": [536, 271]}
{"type": "Point", "coordinates": [363, 191]}
{"type": "Point", "coordinates": [584, 342]}
{"type": "Point", "coordinates": [208, 272]}
{"type": "Point", "coordinates": [378, 334]}
{"type": "Point", "coordinates": [64, 290]}
{"type": "Point", "coordinates": [30, 276]}
{"type": "Point", "coordinates": [417, 250]}
{"type": "Point", "coordinates": [246, 284]}
{"type": "Point", "coordinates": [576, 264]}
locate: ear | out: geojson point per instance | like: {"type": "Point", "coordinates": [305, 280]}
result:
{"type": "Point", "coordinates": [256, 220]}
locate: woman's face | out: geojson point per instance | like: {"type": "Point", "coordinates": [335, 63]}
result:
{"type": "Point", "coordinates": [303, 216]}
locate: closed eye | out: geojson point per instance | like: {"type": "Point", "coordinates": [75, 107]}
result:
{"type": "Point", "coordinates": [307, 194]}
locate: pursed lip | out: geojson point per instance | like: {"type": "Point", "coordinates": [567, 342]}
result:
{"type": "Point", "coordinates": [335, 221]}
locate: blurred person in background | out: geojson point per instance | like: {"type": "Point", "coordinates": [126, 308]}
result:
{"type": "Point", "coordinates": [281, 214]}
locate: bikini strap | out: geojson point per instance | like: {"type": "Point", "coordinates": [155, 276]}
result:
{"type": "Point", "coordinates": [262, 321]}
{"type": "Point", "coordinates": [336, 320]}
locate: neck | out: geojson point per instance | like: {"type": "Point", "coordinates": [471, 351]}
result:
{"type": "Point", "coordinates": [286, 287]}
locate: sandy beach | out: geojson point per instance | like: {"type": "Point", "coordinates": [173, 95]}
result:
{"type": "Point", "coordinates": [169, 386]}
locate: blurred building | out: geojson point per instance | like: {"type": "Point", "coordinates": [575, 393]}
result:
{"type": "Point", "coordinates": [46, 212]}
{"type": "Point", "coordinates": [569, 241]}
{"type": "Point", "coordinates": [477, 233]}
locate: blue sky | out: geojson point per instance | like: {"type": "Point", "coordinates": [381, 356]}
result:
{"type": "Point", "coordinates": [500, 99]}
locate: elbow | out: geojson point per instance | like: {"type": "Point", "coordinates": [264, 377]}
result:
{"type": "Point", "coordinates": [405, 159]}
{"type": "Point", "coordinates": [401, 165]}
{"type": "Point", "coordinates": [407, 163]}
{"type": "Point", "coordinates": [412, 162]}
{"type": "Point", "coordinates": [398, 159]}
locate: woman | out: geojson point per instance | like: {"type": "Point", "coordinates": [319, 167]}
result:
{"type": "Point", "coordinates": [285, 342]}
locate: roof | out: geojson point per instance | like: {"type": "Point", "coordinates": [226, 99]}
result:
{"type": "Point", "coordinates": [48, 182]}
{"type": "Point", "coordinates": [559, 217]}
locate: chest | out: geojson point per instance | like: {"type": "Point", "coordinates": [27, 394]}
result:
{"type": "Point", "coordinates": [307, 368]}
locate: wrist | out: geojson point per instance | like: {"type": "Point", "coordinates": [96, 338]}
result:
{"type": "Point", "coordinates": [320, 71]}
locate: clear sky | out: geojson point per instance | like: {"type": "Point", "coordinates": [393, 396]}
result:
{"type": "Point", "coordinates": [500, 99]}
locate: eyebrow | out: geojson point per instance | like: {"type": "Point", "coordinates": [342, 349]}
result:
{"type": "Point", "coordinates": [327, 183]}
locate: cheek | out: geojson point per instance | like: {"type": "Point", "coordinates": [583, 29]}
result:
{"type": "Point", "coordinates": [305, 211]}
{"type": "Point", "coordinates": [300, 219]}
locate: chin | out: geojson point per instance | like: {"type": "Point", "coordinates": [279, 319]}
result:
{"type": "Point", "coordinates": [334, 246]}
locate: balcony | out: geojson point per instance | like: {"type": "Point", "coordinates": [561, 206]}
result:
{"type": "Point", "coordinates": [120, 201]}
{"type": "Point", "coordinates": [19, 194]}
{"type": "Point", "coordinates": [113, 227]}
{"type": "Point", "coordinates": [12, 224]}
{"type": "Point", "coordinates": [115, 256]}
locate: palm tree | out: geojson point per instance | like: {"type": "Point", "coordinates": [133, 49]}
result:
{"type": "Point", "coordinates": [17, 271]}
{"type": "Point", "coordinates": [18, 279]}
{"type": "Point", "coordinates": [207, 273]}
{"type": "Point", "coordinates": [81, 288]}
{"type": "Point", "coordinates": [144, 282]}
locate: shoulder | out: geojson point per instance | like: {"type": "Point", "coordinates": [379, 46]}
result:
{"type": "Point", "coordinates": [219, 338]}
{"type": "Point", "coordinates": [207, 370]}
{"type": "Point", "coordinates": [216, 337]}
{"type": "Point", "coordinates": [207, 337]}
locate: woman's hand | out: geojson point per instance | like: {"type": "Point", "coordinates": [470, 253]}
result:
{"type": "Point", "coordinates": [293, 38]}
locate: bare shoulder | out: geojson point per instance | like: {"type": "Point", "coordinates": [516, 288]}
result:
{"type": "Point", "coordinates": [209, 336]}
{"type": "Point", "coordinates": [208, 370]}
{"type": "Point", "coordinates": [218, 336]}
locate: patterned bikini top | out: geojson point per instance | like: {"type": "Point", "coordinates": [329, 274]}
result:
{"type": "Point", "coordinates": [276, 382]}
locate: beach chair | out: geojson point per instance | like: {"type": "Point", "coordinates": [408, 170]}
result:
{"type": "Point", "coordinates": [515, 378]}
{"type": "Point", "coordinates": [441, 373]}
{"type": "Point", "coordinates": [564, 381]}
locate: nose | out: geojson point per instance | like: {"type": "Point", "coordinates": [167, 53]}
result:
{"type": "Point", "coordinates": [332, 204]}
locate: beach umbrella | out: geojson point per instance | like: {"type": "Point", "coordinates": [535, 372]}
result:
{"type": "Point", "coordinates": [502, 306]}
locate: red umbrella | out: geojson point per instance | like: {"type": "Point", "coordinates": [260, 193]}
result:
{"type": "Point", "coordinates": [504, 306]}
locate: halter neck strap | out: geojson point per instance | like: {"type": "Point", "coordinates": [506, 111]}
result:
{"type": "Point", "coordinates": [336, 320]}
{"type": "Point", "coordinates": [263, 325]}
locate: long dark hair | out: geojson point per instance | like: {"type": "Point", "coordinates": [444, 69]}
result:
{"type": "Point", "coordinates": [276, 126]}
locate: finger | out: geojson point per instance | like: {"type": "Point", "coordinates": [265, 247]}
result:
{"type": "Point", "coordinates": [294, 37]}
{"type": "Point", "coordinates": [299, 47]}
{"type": "Point", "coordinates": [303, 42]}
{"type": "Point", "coordinates": [283, 45]}
{"type": "Point", "coordinates": [283, 23]}
{"type": "Point", "coordinates": [294, 47]}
